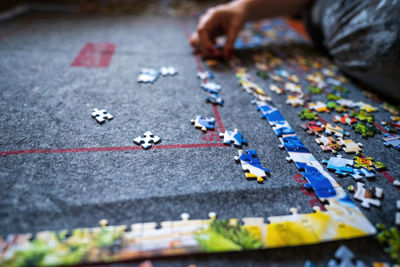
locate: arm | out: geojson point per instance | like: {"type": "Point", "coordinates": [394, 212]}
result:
{"type": "Point", "coordinates": [229, 18]}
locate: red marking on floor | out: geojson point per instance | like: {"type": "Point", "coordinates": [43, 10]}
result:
{"type": "Point", "coordinates": [377, 125]}
{"type": "Point", "coordinates": [94, 55]}
{"type": "Point", "coordinates": [389, 177]}
{"type": "Point", "coordinates": [104, 149]}
{"type": "Point", "coordinates": [218, 118]}
{"type": "Point", "coordinates": [24, 25]}
{"type": "Point", "coordinates": [321, 120]}
{"type": "Point", "coordinates": [299, 27]}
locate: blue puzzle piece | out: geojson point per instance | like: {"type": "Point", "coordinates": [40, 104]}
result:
{"type": "Point", "coordinates": [215, 99]}
{"type": "Point", "coordinates": [204, 123]}
{"type": "Point", "coordinates": [393, 141]}
{"type": "Point", "coordinates": [340, 165]}
{"type": "Point", "coordinates": [211, 87]}
{"type": "Point", "coordinates": [250, 156]}
{"type": "Point", "coordinates": [293, 144]}
{"type": "Point", "coordinates": [234, 137]}
{"type": "Point", "coordinates": [319, 183]}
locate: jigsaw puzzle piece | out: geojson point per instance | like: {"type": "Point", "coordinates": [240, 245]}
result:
{"type": "Point", "coordinates": [336, 130]}
{"type": "Point", "coordinates": [205, 75]}
{"type": "Point", "coordinates": [215, 99]}
{"type": "Point", "coordinates": [361, 173]}
{"type": "Point", "coordinates": [312, 128]}
{"type": "Point", "coordinates": [322, 187]}
{"type": "Point", "coordinates": [234, 137]}
{"type": "Point", "coordinates": [101, 115]}
{"type": "Point", "coordinates": [392, 141]}
{"type": "Point", "coordinates": [204, 123]}
{"type": "Point", "coordinates": [282, 128]}
{"type": "Point", "coordinates": [319, 107]}
{"type": "Point", "coordinates": [366, 130]}
{"type": "Point", "coordinates": [368, 197]}
{"type": "Point", "coordinates": [148, 75]}
{"type": "Point", "coordinates": [147, 140]}
{"type": "Point", "coordinates": [345, 119]}
{"type": "Point", "coordinates": [211, 87]}
{"type": "Point", "coordinates": [328, 143]}
{"type": "Point", "coordinates": [165, 71]}
{"type": "Point", "coordinates": [306, 114]}
{"type": "Point", "coordinates": [340, 165]}
{"type": "Point", "coordinates": [252, 165]}
{"type": "Point", "coordinates": [295, 100]}
{"type": "Point", "coordinates": [350, 146]}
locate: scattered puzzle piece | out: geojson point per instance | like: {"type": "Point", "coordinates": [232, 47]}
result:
{"type": "Point", "coordinates": [345, 258]}
{"type": "Point", "coordinates": [101, 115]}
{"type": "Point", "coordinates": [312, 127]}
{"type": "Point", "coordinates": [363, 116]}
{"type": "Point", "coordinates": [346, 103]}
{"type": "Point", "coordinates": [276, 89]}
{"type": "Point", "coordinates": [366, 130]}
{"type": "Point", "coordinates": [340, 165]}
{"type": "Point", "coordinates": [215, 99]}
{"type": "Point", "coordinates": [294, 88]}
{"type": "Point", "coordinates": [314, 90]}
{"type": "Point", "coordinates": [252, 165]}
{"type": "Point", "coordinates": [204, 123]}
{"type": "Point", "coordinates": [336, 130]}
{"type": "Point", "coordinates": [165, 71]}
{"type": "Point", "coordinates": [366, 107]}
{"type": "Point", "coordinates": [147, 140]}
{"type": "Point", "coordinates": [391, 127]}
{"type": "Point", "coordinates": [395, 110]}
{"type": "Point", "coordinates": [211, 87]}
{"type": "Point", "coordinates": [368, 163]}
{"type": "Point", "coordinates": [333, 97]}
{"type": "Point", "coordinates": [361, 173]}
{"type": "Point", "coordinates": [368, 197]}
{"type": "Point", "coordinates": [234, 137]}
{"type": "Point", "coordinates": [148, 75]}
{"type": "Point", "coordinates": [295, 100]}
{"type": "Point", "coordinates": [328, 143]}
{"type": "Point", "coordinates": [318, 106]}
{"type": "Point", "coordinates": [390, 239]}
{"type": "Point", "coordinates": [205, 75]}
{"type": "Point", "coordinates": [263, 74]}
{"type": "Point", "coordinates": [306, 114]}
{"type": "Point", "coordinates": [395, 118]}
{"type": "Point", "coordinates": [345, 119]}
{"type": "Point", "coordinates": [392, 141]}
{"type": "Point", "coordinates": [350, 146]}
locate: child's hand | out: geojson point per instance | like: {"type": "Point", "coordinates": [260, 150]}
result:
{"type": "Point", "coordinates": [225, 19]}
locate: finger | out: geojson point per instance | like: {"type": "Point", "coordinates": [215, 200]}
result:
{"type": "Point", "coordinates": [231, 35]}
{"type": "Point", "coordinates": [194, 41]}
{"type": "Point", "coordinates": [206, 44]}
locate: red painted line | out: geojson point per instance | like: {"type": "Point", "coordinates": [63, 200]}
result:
{"type": "Point", "coordinates": [389, 177]}
{"type": "Point", "coordinates": [104, 149]}
{"type": "Point", "coordinates": [322, 120]}
{"type": "Point", "coordinates": [377, 125]}
{"type": "Point", "coordinates": [218, 118]}
{"type": "Point", "coordinates": [24, 25]}
{"type": "Point", "coordinates": [94, 55]}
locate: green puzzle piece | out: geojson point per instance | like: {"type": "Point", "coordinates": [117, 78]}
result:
{"type": "Point", "coordinates": [363, 116]}
{"type": "Point", "coordinates": [365, 129]}
{"type": "Point", "coordinates": [305, 114]}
